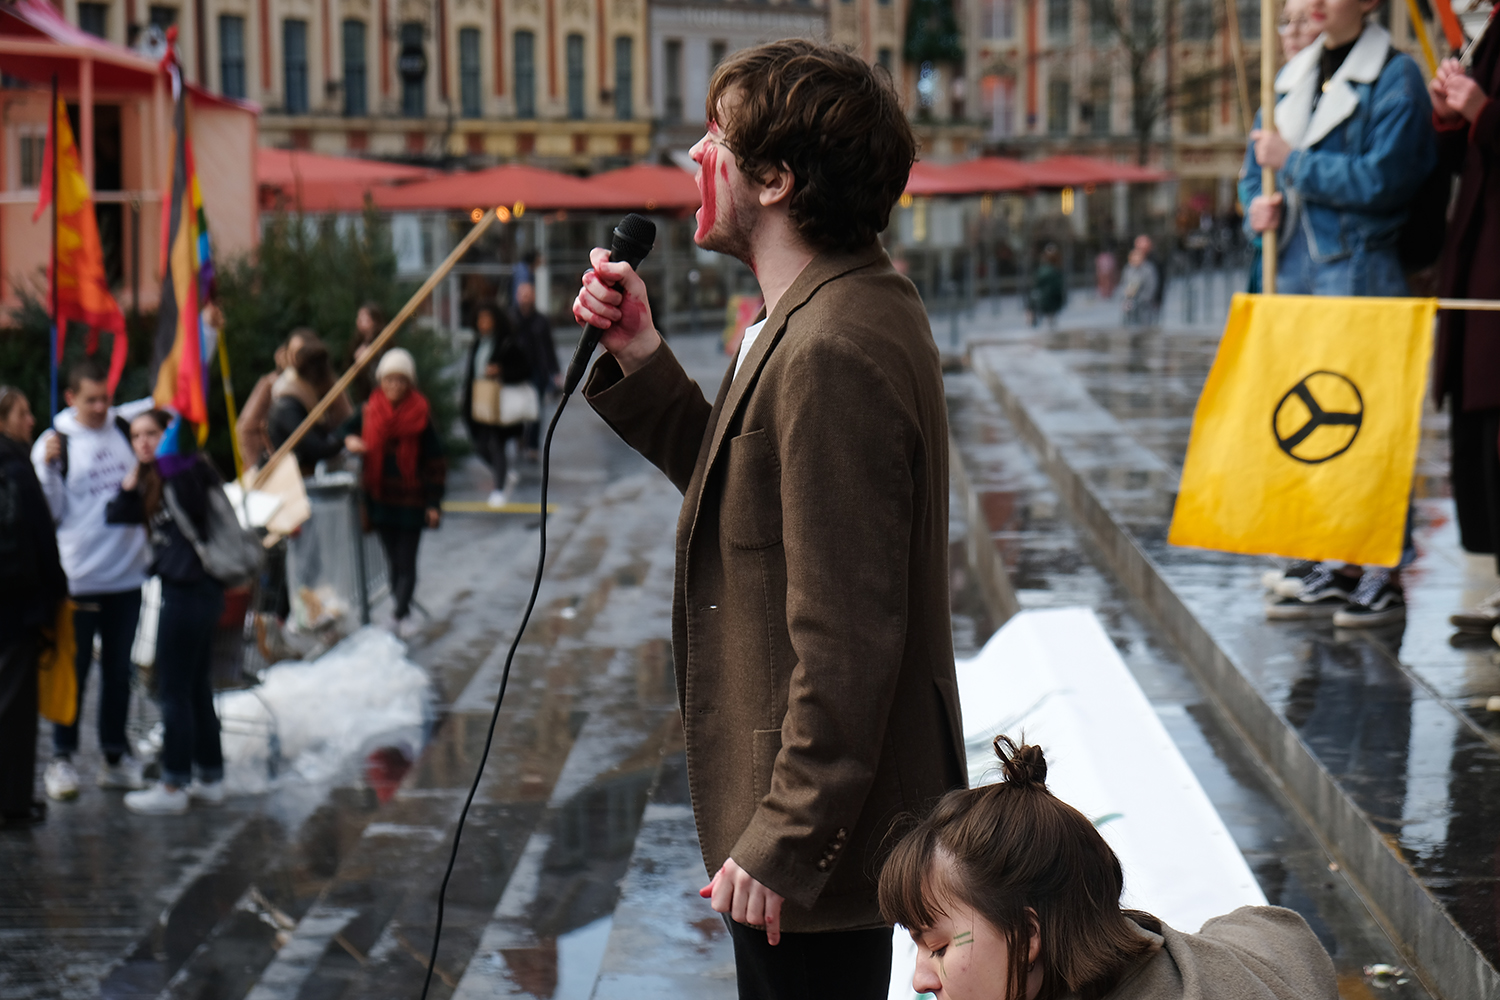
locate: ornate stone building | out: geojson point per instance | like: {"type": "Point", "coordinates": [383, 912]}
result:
{"type": "Point", "coordinates": [560, 82]}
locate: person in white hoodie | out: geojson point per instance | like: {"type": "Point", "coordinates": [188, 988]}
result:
{"type": "Point", "coordinates": [80, 463]}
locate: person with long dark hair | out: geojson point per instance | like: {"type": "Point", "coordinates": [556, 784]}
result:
{"type": "Point", "coordinates": [296, 391]}
{"type": "Point", "coordinates": [32, 585]}
{"type": "Point", "coordinates": [1012, 894]}
{"type": "Point", "coordinates": [158, 492]}
{"type": "Point", "coordinates": [497, 358]}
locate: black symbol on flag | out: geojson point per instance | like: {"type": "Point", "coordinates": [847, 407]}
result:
{"type": "Point", "coordinates": [1319, 417]}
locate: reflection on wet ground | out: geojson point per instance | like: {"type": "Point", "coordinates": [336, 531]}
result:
{"type": "Point", "coordinates": [1052, 563]}
{"type": "Point", "coordinates": [1398, 717]}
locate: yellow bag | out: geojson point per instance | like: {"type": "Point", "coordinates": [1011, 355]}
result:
{"type": "Point", "coordinates": [57, 675]}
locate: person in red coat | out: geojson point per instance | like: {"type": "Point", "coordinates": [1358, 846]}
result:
{"type": "Point", "coordinates": [1466, 368]}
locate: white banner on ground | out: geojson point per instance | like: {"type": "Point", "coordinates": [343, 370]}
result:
{"type": "Point", "coordinates": [1055, 676]}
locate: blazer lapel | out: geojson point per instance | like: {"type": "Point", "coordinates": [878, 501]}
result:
{"type": "Point", "coordinates": [821, 270]}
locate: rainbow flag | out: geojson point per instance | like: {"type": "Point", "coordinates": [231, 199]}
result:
{"type": "Point", "coordinates": [187, 282]}
{"type": "Point", "coordinates": [78, 287]}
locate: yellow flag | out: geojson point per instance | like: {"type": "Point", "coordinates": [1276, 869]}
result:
{"type": "Point", "coordinates": [1305, 439]}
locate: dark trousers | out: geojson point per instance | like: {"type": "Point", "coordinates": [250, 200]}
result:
{"type": "Point", "coordinates": [113, 618]}
{"type": "Point", "coordinates": [851, 965]}
{"type": "Point", "coordinates": [400, 546]}
{"type": "Point", "coordinates": [1475, 475]}
{"type": "Point", "coordinates": [18, 722]}
{"type": "Point", "coordinates": [184, 675]}
{"type": "Point", "coordinates": [489, 445]}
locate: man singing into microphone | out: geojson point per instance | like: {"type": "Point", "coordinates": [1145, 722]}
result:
{"type": "Point", "coordinates": [810, 622]}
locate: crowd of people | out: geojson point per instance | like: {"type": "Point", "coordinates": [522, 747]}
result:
{"type": "Point", "coordinates": [111, 495]}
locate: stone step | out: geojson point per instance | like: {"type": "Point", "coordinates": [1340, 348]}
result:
{"type": "Point", "coordinates": [1373, 742]}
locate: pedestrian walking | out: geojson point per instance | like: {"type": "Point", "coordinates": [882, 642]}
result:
{"type": "Point", "coordinates": [1139, 283]}
{"type": "Point", "coordinates": [1352, 147]}
{"type": "Point", "coordinates": [170, 485]}
{"type": "Point", "coordinates": [811, 629]}
{"type": "Point", "coordinates": [294, 394]}
{"type": "Point", "coordinates": [404, 472]}
{"type": "Point", "coordinates": [1106, 274]}
{"type": "Point", "coordinates": [535, 331]}
{"type": "Point", "coordinates": [1295, 30]}
{"type": "Point", "coordinates": [1049, 291]}
{"type": "Point", "coordinates": [498, 364]}
{"type": "Point", "coordinates": [1010, 892]}
{"type": "Point", "coordinates": [80, 464]}
{"type": "Point", "coordinates": [32, 585]}
{"type": "Point", "coordinates": [1466, 365]}
{"type": "Point", "coordinates": [369, 320]}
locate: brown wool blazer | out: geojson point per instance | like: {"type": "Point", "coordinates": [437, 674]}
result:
{"type": "Point", "coordinates": [810, 623]}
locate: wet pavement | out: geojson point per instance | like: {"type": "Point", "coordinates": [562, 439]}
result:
{"type": "Point", "coordinates": [579, 869]}
{"type": "Point", "coordinates": [1382, 738]}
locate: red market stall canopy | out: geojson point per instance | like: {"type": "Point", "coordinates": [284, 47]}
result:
{"type": "Point", "coordinates": [650, 186]}
{"type": "Point", "coordinates": [319, 183]}
{"type": "Point", "coordinates": [994, 174]}
{"type": "Point", "coordinates": [509, 185]}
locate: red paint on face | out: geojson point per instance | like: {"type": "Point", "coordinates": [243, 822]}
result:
{"type": "Point", "coordinates": [708, 189]}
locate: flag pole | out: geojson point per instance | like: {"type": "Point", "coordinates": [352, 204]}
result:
{"type": "Point", "coordinates": [1237, 52]}
{"type": "Point", "coordinates": [234, 437]}
{"type": "Point", "coordinates": [316, 413]}
{"type": "Point", "coordinates": [53, 360]}
{"type": "Point", "coordinates": [1267, 122]}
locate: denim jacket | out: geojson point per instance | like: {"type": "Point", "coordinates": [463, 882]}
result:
{"type": "Point", "coordinates": [1358, 157]}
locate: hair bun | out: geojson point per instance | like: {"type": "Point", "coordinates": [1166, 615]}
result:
{"type": "Point", "coordinates": [1021, 764]}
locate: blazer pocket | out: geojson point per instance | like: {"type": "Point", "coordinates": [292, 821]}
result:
{"type": "Point", "coordinates": [750, 517]}
{"type": "Point", "coordinates": [765, 745]}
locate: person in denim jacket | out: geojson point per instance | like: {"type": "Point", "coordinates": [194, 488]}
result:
{"type": "Point", "coordinates": [1353, 143]}
{"type": "Point", "coordinates": [1352, 146]}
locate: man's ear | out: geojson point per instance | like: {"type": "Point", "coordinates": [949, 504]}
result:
{"type": "Point", "coordinates": [1034, 944]}
{"type": "Point", "coordinates": [777, 187]}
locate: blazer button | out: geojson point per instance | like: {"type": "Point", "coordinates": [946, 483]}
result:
{"type": "Point", "coordinates": [842, 834]}
{"type": "Point", "coordinates": [823, 865]}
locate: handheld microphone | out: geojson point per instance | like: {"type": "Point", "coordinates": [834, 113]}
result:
{"type": "Point", "coordinates": [633, 239]}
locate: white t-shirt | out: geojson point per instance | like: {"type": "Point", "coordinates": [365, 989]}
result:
{"type": "Point", "coordinates": [746, 342]}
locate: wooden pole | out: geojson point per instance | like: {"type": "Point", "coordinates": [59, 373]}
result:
{"type": "Point", "coordinates": [234, 418]}
{"type": "Point", "coordinates": [1237, 52]}
{"type": "Point", "coordinates": [1420, 27]}
{"type": "Point", "coordinates": [375, 345]}
{"type": "Point", "coordinates": [1268, 38]}
{"type": "Point", "coordinates": [1470, 305]}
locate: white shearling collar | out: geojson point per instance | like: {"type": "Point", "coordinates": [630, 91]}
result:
{"type": "Point", "coordinates": [1298, 122]}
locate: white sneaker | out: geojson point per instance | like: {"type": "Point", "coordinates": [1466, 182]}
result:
{"type": "Point", "coordinates": [206, 793]}
{"type": "Point", "coordinates": [407, 628]}
{"type": "Point", "coordinates": [61, 780]}
{"type": "Point", "coordinates": [497, 498]}
{"type": "Point", "coordinates": [125, 774]}
{"type": "Point", "coordinates": [158, 800]}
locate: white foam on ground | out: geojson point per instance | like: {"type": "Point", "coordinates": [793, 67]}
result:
{"type": "Point", "coordinates": [1055, 676]}
{"type": "Point", "coordinates": [319, 713]}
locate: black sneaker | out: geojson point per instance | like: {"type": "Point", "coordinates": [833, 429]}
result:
{"type": "Point", "coordinates": [1288, 582]}
{"type": "Point", "coordinates": [1376, 601]}
{"type": "Point", "coordinates": [1323, 593]}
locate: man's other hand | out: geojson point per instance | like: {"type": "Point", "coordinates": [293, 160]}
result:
{"type": "Point", "coordinates": [736, 892]}
{"type": "Point", "coordinates": [52, 450]}
{"type": "Point", "coordinates": [613, 298]}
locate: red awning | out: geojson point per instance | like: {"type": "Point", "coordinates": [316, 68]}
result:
{"type": "Point", "coordinates": [36, 43]}
{"type": "Point", "coordinates": [319, 183]}
{"type": "Point", "coordinates": [648, 186]}
{"type": "Point", "coordinates": [544, 190]}
{"type": "Point", "coordinates": [993, 174]}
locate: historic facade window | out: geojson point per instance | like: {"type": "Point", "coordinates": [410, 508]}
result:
{"type": "Point", "coordinates": [1058, 96]}
{"type": "Point", "coordinates": [575, 77]}
{"type": "Point", "coordinates": [94, 18]}
{"type": "Point", "coordinates": [231, 55]}
{"type": "Point", "coordinates": [356, 85]}
{"type": "Point", "coordinates": [1059, 18]}
{"type": "Point", "coordinates": [411, 64]}
{"type": "Point", "coordinates": [624, 77]}
{"type": "Point", "coordinates": [525, 74]}
{"type": "Point", "coordinates": [672, 71]}
{"type": "Point", "coordinates": [294, 65]}
{"type": "Point", "coordinates": [468, 73]}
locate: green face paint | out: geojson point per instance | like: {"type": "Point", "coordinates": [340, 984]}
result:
{"type": "Point", "coordinates": [967, 937]}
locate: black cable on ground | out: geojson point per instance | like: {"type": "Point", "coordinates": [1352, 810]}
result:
{"type": "Point", "coordinates": [536, 586]}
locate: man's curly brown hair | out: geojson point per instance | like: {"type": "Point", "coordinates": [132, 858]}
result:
{"type": "Point", "coordinates": [835, 121]}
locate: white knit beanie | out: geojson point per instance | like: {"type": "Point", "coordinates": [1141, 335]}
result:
{"type": "Point", "coordinates": [397, 361]}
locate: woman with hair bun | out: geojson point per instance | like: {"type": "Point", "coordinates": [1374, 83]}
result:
{"type": "Point", "coordinates": [1012, 894]}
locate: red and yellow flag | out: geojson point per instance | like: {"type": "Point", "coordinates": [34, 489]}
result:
{"type": "Point", "coordinates": [181, 378]}
{"type": "Point", "coordinates": [78, 286]}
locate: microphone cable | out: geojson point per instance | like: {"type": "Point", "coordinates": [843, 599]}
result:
{"type": "Point", "coordinates": [633, 239]}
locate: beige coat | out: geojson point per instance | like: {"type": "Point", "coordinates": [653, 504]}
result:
{"type": "Point", "coordinates": [811, 627]}
{"type": "Point", "coordinates": [1254, 953]}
